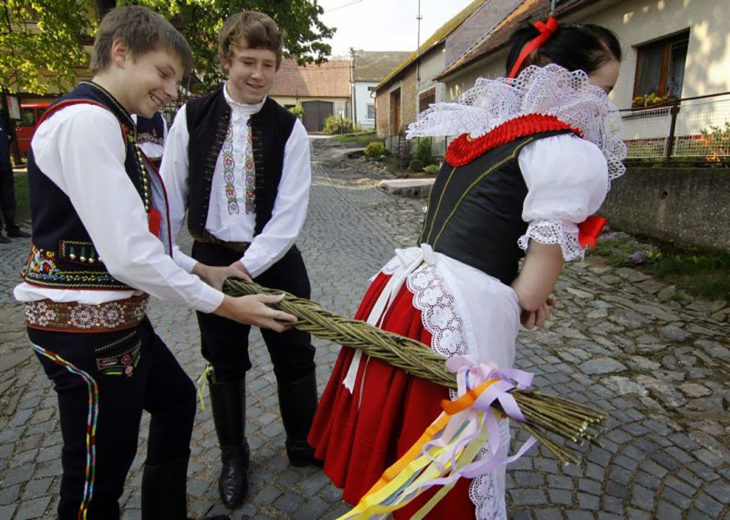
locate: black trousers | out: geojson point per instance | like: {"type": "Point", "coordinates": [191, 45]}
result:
{"type": "Point", "coordinates": [225, 342]}
{"type": "Point", "coordinates": [123, 373]}
{"type": "Point", "coordinates": [7, 184]}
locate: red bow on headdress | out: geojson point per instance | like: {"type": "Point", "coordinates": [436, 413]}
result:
{"type": "Point", "coordinates": [589, 229]}
{"type": "Point", "coordinates": [547, 29]}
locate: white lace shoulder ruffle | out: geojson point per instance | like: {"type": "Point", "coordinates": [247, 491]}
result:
{"type": "Point", "coordinates": [549, 90]}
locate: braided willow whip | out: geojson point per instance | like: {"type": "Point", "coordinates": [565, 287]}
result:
{"type": "Point", "coordinates": [544, 414]}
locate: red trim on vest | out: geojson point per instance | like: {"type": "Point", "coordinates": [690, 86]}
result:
{"type": "Point", "coordinates": [464, 149]}
{"type": "Point", "coordinates": [68, 102]}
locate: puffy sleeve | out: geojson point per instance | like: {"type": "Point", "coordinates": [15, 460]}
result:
{"type": "Point", "coordinates": [567, 181]}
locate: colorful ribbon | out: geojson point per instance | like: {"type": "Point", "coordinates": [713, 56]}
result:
{"type": "Point", "coordinates": [91, 421]}
{"type": "Point", "coordinates": [450, 447]}
{"type": "Point", "coordinates": [589, 230]}
{"type": "Point", "coordinates": [547, 29]}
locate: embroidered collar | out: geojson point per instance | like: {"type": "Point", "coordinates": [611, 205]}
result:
{"type": "Point", "coordinates": [464, 149]}
{"type": "Point", "coordinates": [549, 91]}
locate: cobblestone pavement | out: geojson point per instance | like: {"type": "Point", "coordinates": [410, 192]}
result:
{"type": "Point", "coordinates": [656, 361]}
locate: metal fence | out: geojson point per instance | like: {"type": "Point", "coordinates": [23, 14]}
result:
{"type": "Point", "coordinates": [693, 129]}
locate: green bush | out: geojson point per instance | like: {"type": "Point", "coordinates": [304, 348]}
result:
{"type": "Point", "coordinates": [416, 165]}
{"type": "Point", "coordinates": [337, 125]}
{"type": "Point", "coordinates": [622, 249]}
{"type": "Point", "coordinates": [297, 110]}
{"type": "Point", "coordinates": [375, 149]}
{"type": "Point", "coordinates": [423, 152]}
{"type": "Point", "coordinates": [431, 169]}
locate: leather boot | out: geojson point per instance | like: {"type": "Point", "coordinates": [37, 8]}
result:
{"type": "Point", "coordinates": [298, 402]}
{"type": "Point", "coordinates": [228, 400]}
{"type": "Point", "coordinates": [163, 491]}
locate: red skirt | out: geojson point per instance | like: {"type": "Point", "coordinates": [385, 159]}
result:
{"type": "Point", "coordinates": [358, 445]}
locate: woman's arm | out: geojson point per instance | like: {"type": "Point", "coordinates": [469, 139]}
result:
{"type": "Point", "coordinates": [539, 273]}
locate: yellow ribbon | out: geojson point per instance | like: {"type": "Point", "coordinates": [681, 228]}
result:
{"type": "Point", "coordinates": [412, 469]}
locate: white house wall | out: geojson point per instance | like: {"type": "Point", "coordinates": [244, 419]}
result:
{"type": "Point", "coordinates": [362, 100]}
{"type": "Point", "coordinates": [635, 23]}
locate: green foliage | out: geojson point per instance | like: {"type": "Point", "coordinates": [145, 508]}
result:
{"type": "Point", "coordinates": [357, 137]}
{"type": "Point", "coordinates": [41, 43]}
{"type": "Point", "coordinates": [297, 110]}
{"type": "Point", "coordinates": [22, 198]}
{"type": "Point", "coordinates": [422, 156]}
{"type": "Point", "coordinates": [431, 169]}
{"type": "Point", "coordinates": [423, 152]}
{"type": "Point", "coordinates": [702, 273]}
{"type": "Point", "coordinates": [415, 165]}
{"type": "Point", "coordinates": [375, 149]}
{"type": "Point", "coordinates": [624, 250]}
{"type": "Point", "coordinates": [337, 125]}
{"type": "Point", "coordinates": [651, 99]}
{"type": "Point", "coordinates": [716, 142]}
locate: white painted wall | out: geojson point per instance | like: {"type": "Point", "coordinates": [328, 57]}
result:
{"type": "Point", "coordinates": [362, 100]}
{"type": "Point", "coordinates": [635, 23]}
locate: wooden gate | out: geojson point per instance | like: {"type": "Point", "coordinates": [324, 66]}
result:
{"type": "Point", "coordinates": [315, 112]}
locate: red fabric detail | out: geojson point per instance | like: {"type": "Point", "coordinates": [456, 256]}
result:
{"type": "Point", "coordinates": [155, 219]}
{"type": "Point", "coordinates": [547, 29]}
{"type": "Point", "coordinates": [589, 229]}
{"type": "Point", "coordinates": [464, 149]}
{"type": "Point", "coordinates": [358, 445]}
{"type": "Point", "coordinates": [67, 103]}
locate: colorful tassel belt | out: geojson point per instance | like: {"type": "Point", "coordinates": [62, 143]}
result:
{"type": "Point", "coordinates": [85, 317]}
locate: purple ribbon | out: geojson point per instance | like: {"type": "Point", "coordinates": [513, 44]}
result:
{"type": "Point", "coordinates": [471, 375]}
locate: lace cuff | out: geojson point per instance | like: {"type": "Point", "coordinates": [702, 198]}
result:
{"type": "Point", "coordinates": [554, 232]}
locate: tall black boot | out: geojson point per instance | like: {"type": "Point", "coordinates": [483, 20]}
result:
{"type": "Point", "coordinates": [163, 491]}
{"type": "Point", "coordinates": [228, 400]}
{"type": "Point", "coordinates": [298, 402]}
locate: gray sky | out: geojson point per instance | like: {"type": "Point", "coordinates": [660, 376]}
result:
{"type": "Point", "coordinates": [384, 25]}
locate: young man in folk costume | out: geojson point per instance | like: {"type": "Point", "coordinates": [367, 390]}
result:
{"type": "Point", "coordinates": [151, 135]}
{"type": "Point", "coordinates": [100, 246]}
{"type": "Point", "coordinates": [238, 164]}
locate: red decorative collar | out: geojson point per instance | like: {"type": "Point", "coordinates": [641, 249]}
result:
{"type": "Point", "coordinates": [464, 149]}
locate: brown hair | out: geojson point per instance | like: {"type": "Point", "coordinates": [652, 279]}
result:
{"type": "Point", "coordinates": [143, 31]}
{"type": "Point", "coordinates": [253, 29]}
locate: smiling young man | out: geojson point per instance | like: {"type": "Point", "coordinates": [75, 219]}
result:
{"type": "Point", "coordinates": [100, 246]}
{"type": "Point", "coordinates": [238, 164]}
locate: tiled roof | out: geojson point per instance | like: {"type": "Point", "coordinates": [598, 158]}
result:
{"type": "Point", "coordinates": [436, 38]}
{"type": "Point", "coordinates": [375, 65]}
{"type": "Point", "coordinates": [330, 79]}
{"type": "Point", "coordinates": [527, 11]}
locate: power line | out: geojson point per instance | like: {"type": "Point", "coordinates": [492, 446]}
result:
{"type": "Point", "coordinates": [343, 5]}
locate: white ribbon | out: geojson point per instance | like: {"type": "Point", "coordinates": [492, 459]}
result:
{"type": "Point", "coordinates": [410, 259]}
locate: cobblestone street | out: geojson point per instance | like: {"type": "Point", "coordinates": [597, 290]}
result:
{"type": "Point", "coordinates": [656, 362]}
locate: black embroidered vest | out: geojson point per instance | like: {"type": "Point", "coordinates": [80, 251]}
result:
{"type": "Point", "coordinates": [62, 253]}
{"type": "Point", "coordinates": [208, 118]}
{"type": "Point", "coordinates": [475, 210]}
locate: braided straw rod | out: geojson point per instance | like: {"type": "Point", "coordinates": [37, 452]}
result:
{"type": "Point", "coordinates": [544, 414]}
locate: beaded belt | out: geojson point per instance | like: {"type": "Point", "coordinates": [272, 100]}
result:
{"type": "Point", "coordinates": [207, 238]}
{"type": "Point", "coordinates": [85, 317]}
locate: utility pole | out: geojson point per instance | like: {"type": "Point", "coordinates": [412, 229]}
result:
{"type": "Point", "coordinates": [418, 45]}
{"type": "Point", "coordinates": [353, 108]}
